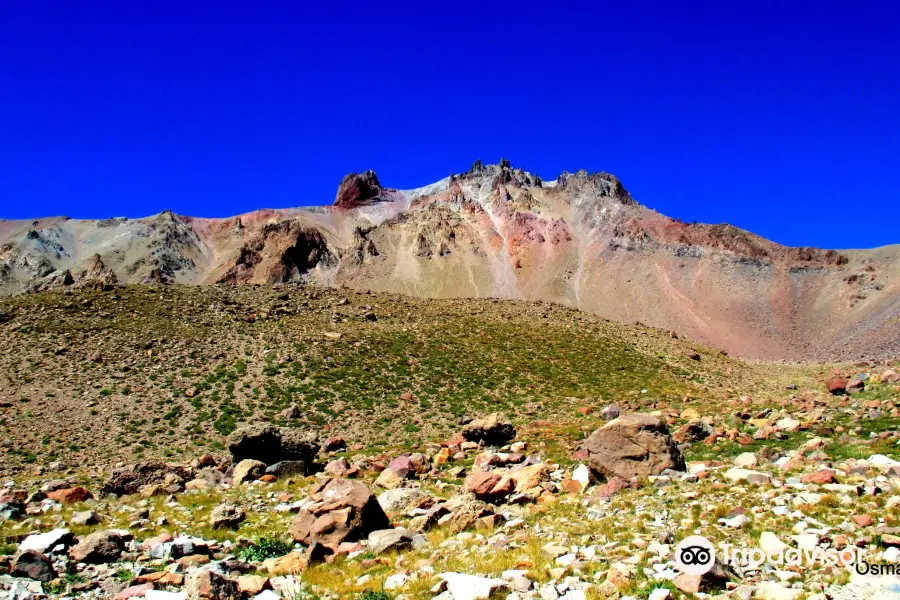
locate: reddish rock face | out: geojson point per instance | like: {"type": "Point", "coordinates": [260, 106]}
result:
{"type": "Point", "coordinates": [358, 189]}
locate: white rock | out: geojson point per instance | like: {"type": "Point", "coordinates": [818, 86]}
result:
{"type": "Point", "coordinates": [882, 462]}
{"type": "Point", "coordinates": [470, 587]}
{"type": "Point", "coordinates": [566, 559]}
{"type": "Point", "coordinates": [735, 522]}
{"type": "Point", "coordinates": [787, 424]}
{"type": "Point", "coordinates": [769, 590]}
{"type": "Point", "coordinates": [770, 544]}
{"type": "Point", "coordinates": [738, 475]}
{"type": "Point", "coordinates": [807, 498]}
{"type": "Point", "coordinates": [548, 592]}
{"type": "Point", "coordinates": [43, 542]}
{"type": "Point", "coordinates": [582, 474]}
{"type": "Point", "coordinates": [660, 594]}
{"type": "Point", "coordinates": [397, 580]}
{"type": "Point", "coordinates": [746, 459]}
{"type": "Point", "coordinates": [891, 555]}
{"type": "Point", "coordinates": [267, 595]}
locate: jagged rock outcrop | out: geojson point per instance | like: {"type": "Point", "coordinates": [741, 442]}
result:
{"type": "Point", "coordinates": [279, 253]}
{"type": "Point", "coordinates": [97, 274]}
{"type": "Point", "coordinates": [358, 189]}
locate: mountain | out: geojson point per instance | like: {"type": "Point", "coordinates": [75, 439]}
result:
{"type": "Point", "coordinates": [580, 240]}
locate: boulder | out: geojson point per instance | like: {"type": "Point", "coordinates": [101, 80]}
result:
{"type": "Point", "coordinates": [610, 412]}
{"type": "Point", "coordinates": [285, 468]}
{"type": "Point", "coordinates": [489, 487]}
{"type": "Point", "coordinates": [289, 564]}
{"type": "Point", "coordinates": [389, 480]}
{"type": "Point", "coordinates": [462, 586]}
{"type": "Point", "coordinates": [100, 547]}
{"type": "Point", "coordinates": [493, 430]}
{"type": "Point", "coordinates": [31, 564]}
{"type": "Point", "coordinates": [636, 445]}
{"type": "Point", "coordinates": [70, 495]}
{"type": "Point", "coordinates": [87, 517]}
{"type": "Point", "coordinates": [298, 444]}
{"type": "Point", "coordinates": [129, 480]}
{"type": "Point", "coordinates": [338, 510]}
{"type": "Point", "coordinates": [389, 539]}
{"type": "Point", "coordinates": [210, 585]}
{"type": "Point", "coordinates": [256, 441]}
{"type": "Point", "coordinates": [890, 376]}
{"type": "Point", "coordinates": [45, 542]}
{"type": "Point", "coordinates": [341, 467]}
{"type": "Point", "coordinates": [248, 470]}
{"type": "Point", "coordinates": [530, 476]}
{"type": "Point", "coordinates": [334, 444]}
{"type": "Point", "coordinates": [837, 385]}
{"type": "Point", "coordinates": [402, 466]}
{"type": "Point", "coordinates": [227, 516]}
{"type": "Point", "coordinates": [401, 499]}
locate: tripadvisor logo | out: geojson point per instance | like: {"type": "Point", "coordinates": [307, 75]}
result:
{"type": "Point", "coordinates": [696, 555]}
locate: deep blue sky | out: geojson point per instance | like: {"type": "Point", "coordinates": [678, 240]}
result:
{"type": "Point", "coordinates": [781, 119]}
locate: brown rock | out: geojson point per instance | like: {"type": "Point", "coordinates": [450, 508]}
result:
{"type": "Point", "coordinates": [341, 510]}
{"type": "Point", "coordinates": [33, 565]}
{"type": "Point", "coordinates": [480, 483]}
{"type": "Point", "coordinates": [634, 445]}
{"type": "Point", "coordinates": [211, 586]}
{"type": "Point", "coordinates": [251, 585]}
{"type": "Point", "coordinates": [820, 477]}
{"type": "Point", "coordinates": [99, 547]}
{"type": "Point", "coordinates": [529, 477]}
{"type": "Point", "coordinates": [289, 564]}
{"type": "Point", "coordinates": [837, 385]}
{"type": "Point", "coordinates": [863, 520]}
{"type": "Point", "coordinates": [70, 495]}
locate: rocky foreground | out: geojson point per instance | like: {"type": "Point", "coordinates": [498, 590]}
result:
{"type": "Point", "coordinates": [491, 512]}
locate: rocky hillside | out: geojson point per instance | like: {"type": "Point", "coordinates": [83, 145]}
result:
{"type": "Point", "coordinates": [293, 442]}
{"type": "Point", "coordinates": [580, 240]}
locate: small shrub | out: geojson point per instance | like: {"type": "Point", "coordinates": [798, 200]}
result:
{"type": "Point", "coordinates": [265, 548]}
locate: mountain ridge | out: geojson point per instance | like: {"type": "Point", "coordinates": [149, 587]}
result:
{"type": "Point", "coordinates": [494, 231]}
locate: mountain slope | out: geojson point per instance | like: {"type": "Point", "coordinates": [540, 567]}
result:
{"type": "Point", "coordinates": [580, 240]}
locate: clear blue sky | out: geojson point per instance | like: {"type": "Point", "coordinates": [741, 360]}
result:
{"type": "Point", "coordinates": [779, 117]}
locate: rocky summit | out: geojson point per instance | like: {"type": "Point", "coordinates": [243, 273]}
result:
{"type": "Point", "coordinates": [579, 240]}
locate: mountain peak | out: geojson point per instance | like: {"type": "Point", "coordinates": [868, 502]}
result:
{"type": "Point", "coordinates": [358, 189]}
